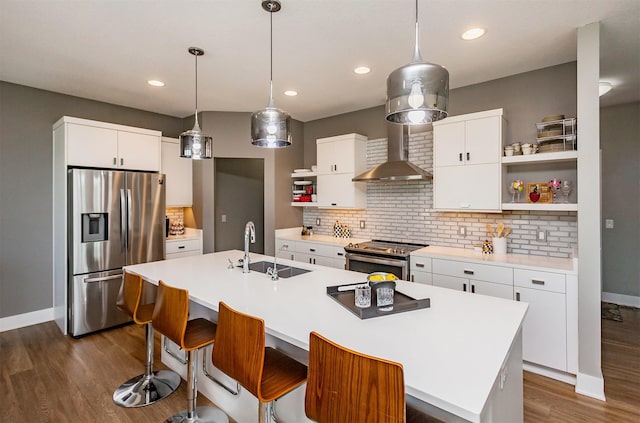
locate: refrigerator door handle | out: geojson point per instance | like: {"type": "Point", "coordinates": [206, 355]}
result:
{"type": "Point", "coordinates": [123, 221]}
{"type": "Point", "coordinates": [129, 222]}
{"type": "Point", "coordinates": [105, 278]}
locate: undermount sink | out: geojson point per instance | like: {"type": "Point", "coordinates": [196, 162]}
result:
{"type": "Point", "coordinates": [284, 271]}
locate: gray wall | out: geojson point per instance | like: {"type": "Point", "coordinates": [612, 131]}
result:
{"type": "Point", "coordinates": [526, 98]}
{"type": "Point", "coordinates": [26, 156]}
{"type": "Point", "coordinates": [620, 143]}
{"type": "Point", "coordinates": [231, 139]}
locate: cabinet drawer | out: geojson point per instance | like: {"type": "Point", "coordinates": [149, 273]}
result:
{"type": "Point", "coordinates": [284, 245]}
{"type": "Point", "coordinates": [183, 245]}
{"type": "Point", "coordinates": [420, 264]}
{"type": "Point", "coordinates": [546, 281]}
{"type": "Point", "coordinates": [315, 249]}
{"type": "Point", "coordinates": [481, 272]}
{"type": "Point", "coordinates": [339, 253]}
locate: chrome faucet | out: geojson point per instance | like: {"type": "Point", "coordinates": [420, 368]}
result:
{"type": "Point", "coordinates": [273, 271]}
{"type": "Point", "coordinates": [249, 232]}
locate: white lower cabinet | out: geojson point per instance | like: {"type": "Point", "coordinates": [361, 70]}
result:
{"type": "Point", "coordinates": [420, 270]}
{"type": "Point", "coordinates": [545, 325]}
{"type": "Point", "coordinates": [549, 330]}
{"type": "Point", "coordinates": [312, 253]}
{"type": "Point", "coordinates": [484, 279]}
{"type": "Point", "coordinates": [186, 245]}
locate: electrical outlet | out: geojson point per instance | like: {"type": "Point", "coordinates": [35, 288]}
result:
{"type": "Point", "coordinates": [541, 235]}
{"type": "Point", "coordinates": [318, 222]}
{"type": "Point", "coordinates": [608, 223]}
{"type": "Point", "coordinates": [362, 224]}
{"type": "Point", "coordinates": [462, 230]}
{"type": "Point", "coordinates": [224, 218]}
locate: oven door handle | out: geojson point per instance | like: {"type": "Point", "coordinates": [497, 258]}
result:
{"type": "Point", "coordinates": [375, 260]}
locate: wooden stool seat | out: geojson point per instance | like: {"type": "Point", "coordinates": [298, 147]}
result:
{"type": "Point", "coordinates": [240, 352]}
{"type": "Point", "coordinates": [151, 386]}
{"type": "Point", "coordinates": [171, 318]}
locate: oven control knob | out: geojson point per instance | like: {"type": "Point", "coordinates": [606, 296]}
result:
{"type": "Point", "coordinates": [356, 245]}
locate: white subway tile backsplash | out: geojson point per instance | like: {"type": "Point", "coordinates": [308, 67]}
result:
{"type": "Point", "coordinates": [401, 211]}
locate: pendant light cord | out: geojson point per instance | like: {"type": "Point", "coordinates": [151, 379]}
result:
{"type": "Point", "coordinates": [197, 90]}
{"type": "Point", "coordinates": [271, 57]}
{"type": "Point", "coordinates": [416, 53]}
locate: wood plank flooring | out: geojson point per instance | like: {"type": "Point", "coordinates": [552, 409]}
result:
{"type": "Point", "coordinates": [47, 377]}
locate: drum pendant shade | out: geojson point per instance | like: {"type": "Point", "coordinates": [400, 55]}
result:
{"type": "Point", "coordinates": [193, 143]}
{"type": "Point", "coordinates": [271, 127]}
{"type": "Point", "coordinates": [417, 93]}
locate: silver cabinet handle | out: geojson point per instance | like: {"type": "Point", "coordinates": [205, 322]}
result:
{"type": "Point", "coordinates": [181, 247]}
{"type": "Point", "coordinates": [464, 287]}
{"type": "Point", "coordinates": [468, 157]}
{"type": "Point", "coordinates": [460, 157]}
{"type": "Point", "coordinates": [121, 162]}
{"type": "Point", "coordinates": [313, 250]}
{"type": "Point", "coordinates": [114, 161]}
{"type": "Point", "coordinates": [537, 282]}
{"type": "Point", "coordinates": [413, 278]}
{"type": "Point", "coordinates": [419, 264]}
{"type": "Point", "coordinates": [517, 296]}
{"type": "Point", "coordinates": [468, 272]}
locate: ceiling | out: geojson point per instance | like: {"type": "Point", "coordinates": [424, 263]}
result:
{"type": "Point", "coordinates": [106, 50]}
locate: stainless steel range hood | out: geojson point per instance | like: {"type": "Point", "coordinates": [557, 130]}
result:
{"type": "Point", "coordinates": [397, 167]}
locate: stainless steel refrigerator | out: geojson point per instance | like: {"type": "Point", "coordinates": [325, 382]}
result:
{"type": "Point", "coordinates": [116, 218]}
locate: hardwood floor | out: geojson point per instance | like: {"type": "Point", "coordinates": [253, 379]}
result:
{"type": "Point", "coordinates": [47, 377]}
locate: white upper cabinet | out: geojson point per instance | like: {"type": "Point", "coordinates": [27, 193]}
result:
{"type": "Point", "coordinates": [339, 159]}
{"type": "Point", "coordinates": [178, 174]}
{"type": "Point", "coordinates": [105, 145]}
{"type": "Point", "coordinates": [466, 162]}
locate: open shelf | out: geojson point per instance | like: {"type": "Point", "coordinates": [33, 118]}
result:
{"type": "Point", "coordinates": [303, 174]}
{"type": "Point", "coordinates": [558, 156]}
{"type": "Point", "coordinates": [541, 206]}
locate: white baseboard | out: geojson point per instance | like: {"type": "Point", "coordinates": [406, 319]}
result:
{"type": "Point", "coordinates": [620, 299]}
{"type": "Point", "coordinates": [26, 319]}
{"type": "Point", "coordinates": [590, 386]}
{"type": "Point", "coordinates": [550, 373]}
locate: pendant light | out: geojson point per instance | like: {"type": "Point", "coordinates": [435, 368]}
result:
{"type": "Point", "coordinates": [271, 127]}
{"type": "Point", "coordinates": [193, 143]}
{"type": "Point", "coordinates": [418, 92]}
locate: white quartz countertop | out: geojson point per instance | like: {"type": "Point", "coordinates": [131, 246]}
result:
{"type": "Point", "coordinates": [293, 234]}
{"type": "Point", "coordinates": [513, 260]}
{"type": "Point", "coordinates": [188, 234]}
{"type": "Point", "coordinates": [451, 352]}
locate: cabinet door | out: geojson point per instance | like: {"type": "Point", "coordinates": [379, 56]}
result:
{"type": "Point", "coordinates": [336, 156]}
{"type": "Point", "coordinates": [91, 146]}
{"type": "Point", "coordinates": [338, 190]}
{"type": "Point", "coordinates": [178, 172]}
{"type": "Point", "coordinates": [138, 151]}
{"type": "Point", "coordinates": [544, 335]}
{"type": "Point", "coordinates": [483, 140]}
{"type": "Point", "coordinates": [492, 289]}
{"type": "Point", "coordinates": [448, 144]}
{"type": "Point", "coordinates": [451, 282]}
{"type": "Point", "coordinates": [421, 277]}
{"type": "Point", "coordinates": [286, 249]}
{"type": "Point", "coordinates": [470, 187]}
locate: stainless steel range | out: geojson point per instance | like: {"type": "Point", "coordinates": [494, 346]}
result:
{"type": "Point", "coordinates": [381, 256]}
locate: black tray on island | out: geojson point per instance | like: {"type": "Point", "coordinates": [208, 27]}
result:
{"type": "Point", "coordinates": [401, 302]}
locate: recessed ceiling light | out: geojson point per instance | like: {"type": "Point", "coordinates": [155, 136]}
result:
{"type": "Point", "coordinates": [362, 70]}
{"type": "Point", "coordinates": [291, 93]}
{"type": "Point", "coordinates": [604, 87]}
{"type": "Point", "coordinates": [155, 83]}
{"type": "Point", "coordinates": [473, 33]}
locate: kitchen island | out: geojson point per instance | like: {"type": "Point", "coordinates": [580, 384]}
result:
{"type": "Point", "coordinates": [462, 357]}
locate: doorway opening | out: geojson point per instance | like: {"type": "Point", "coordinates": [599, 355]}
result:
{"type": "Point", "coordinates": [238, 198]}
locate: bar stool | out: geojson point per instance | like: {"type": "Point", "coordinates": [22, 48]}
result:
{"type": "Point", "coordinates": [170, 318]}
{"type": "Point", "coordinates": [346, 386]}
{"type": "Point", "coordinates": [151, 386]}
{"type": "Point", "coordinates": [240, 352]}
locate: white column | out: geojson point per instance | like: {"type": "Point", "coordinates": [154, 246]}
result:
{"type": "Point", "coordinates": [589, 379]}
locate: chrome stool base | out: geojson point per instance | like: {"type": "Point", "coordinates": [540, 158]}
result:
{"type": "Point", "coordinates": [202, 415]}
{"type": "Point", "coordinates": [145, 390]}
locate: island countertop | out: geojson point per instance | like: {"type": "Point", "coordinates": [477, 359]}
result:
{"type": "Point", "coordinates": [452, 353]}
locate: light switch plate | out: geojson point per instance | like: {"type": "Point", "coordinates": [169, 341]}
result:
{"type": "Point", "coordinates": [608, 223]}
{"type": "Point", "coordinates": [362, 224]}
{"type": "Point", "coordinates": [224, 218]}
{"type": "Point", "coordinates": [318, 222]}
{"type": "Point", "coordinates": [462, 230]}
